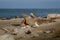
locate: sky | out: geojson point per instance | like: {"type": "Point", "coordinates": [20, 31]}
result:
{"type": "Point", "coordinates": [29, 3]}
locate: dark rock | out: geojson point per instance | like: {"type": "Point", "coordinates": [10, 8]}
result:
{"type": "Point", "coordinates": [16, 17]}
{"type": "Point", "coordinates": [28, 32]}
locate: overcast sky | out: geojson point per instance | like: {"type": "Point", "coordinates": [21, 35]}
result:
{"type": "Point", "coordinates": [29, 3]}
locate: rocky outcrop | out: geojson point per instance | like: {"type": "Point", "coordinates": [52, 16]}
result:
{"type": "Point", "coordinates": [55, 16]}
{"type": "Point", "coordinates": [27, 21]}
{"type": "Point", "coordinates": [30, 21]}
{"type": "Point", "coordinates": [33, 20]}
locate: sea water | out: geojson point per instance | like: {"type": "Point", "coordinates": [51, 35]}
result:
{"type": "Point", "coordinates": [10, 13]}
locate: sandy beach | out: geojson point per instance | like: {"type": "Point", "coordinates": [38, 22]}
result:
{"type": "Point", "coordinates": [46, 31]}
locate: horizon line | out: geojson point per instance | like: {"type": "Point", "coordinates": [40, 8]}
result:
{"type": "Point", "coordinates": [29, 8]}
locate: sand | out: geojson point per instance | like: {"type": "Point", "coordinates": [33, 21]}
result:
{"type": "Point", "coordinates": [44, 32]}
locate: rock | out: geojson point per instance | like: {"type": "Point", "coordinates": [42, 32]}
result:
{"type": "Point", "coordinates": [33, 21]}
{"type": "Point", "coordinates": [33, 15]}
{"type": "Point", "coordinates": [24, 15]}
{"type": "Point", "coordinates": [16, 17]}
{"type": "Point", "coordinates": [22, 24]}
{"type": "Point", "coordinates": [53, 16]}
{"type": "Point", "coordinates": [36, 24]}
{"type": "Point", "coordinates": [4, 18]}
{"type": "Point", "coordinates": [21, 32]}
{"type": "Point", "coordinates": [28, 32]}
{"type": "Point", "coordinates": [29, 21]}
{"type": "Point", "coordinates": [22, 29]}
{"type": "Point", "coordinates": [41, 21]}
{"type": "Point", "coordinates": [47, 31]}
{"type": "Point", "coordinates": [7, 37]}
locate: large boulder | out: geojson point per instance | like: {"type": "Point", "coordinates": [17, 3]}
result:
{"type": "Point", "coordinates": [28, 20]}
{"type": "Point", "coordinates": [53, 16]}
{"type": "Point", "coordinates": [31, 21]}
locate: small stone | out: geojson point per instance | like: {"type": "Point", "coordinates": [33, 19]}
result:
{"type": "Point", "coordinates": [16, 17]}
{"type": "Point", "coordinates": [28, 32]}
{"type": "Point", "coordinates": [47, 31]}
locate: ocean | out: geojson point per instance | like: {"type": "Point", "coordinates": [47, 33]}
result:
{"type": "Point", "coordinates": [10, 13]}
